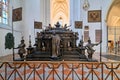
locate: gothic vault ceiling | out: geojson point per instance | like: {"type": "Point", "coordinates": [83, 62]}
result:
{"type": "Point", "coordinates": [59, 10]}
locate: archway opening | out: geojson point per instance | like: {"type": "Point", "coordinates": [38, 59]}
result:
{"type": "Point", "coordinates": [60, 12]}
{"type": "Point", "coordinates": [113, 23]}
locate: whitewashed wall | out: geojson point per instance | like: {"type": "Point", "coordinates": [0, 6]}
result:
{"type": "Point", "coordinates": [4, 29]}
{"type": "Point", "coordinates": [32, 13]}
{"type": "Point", "coordinates": [77, 13]}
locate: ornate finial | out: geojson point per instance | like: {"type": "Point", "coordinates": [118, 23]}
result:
{"type": "Point", "coordinates": [22, 39]}
{"type": "Point", "coordinates": [57, 24]}
{"type": "Point", "coordinates": [89, 40]}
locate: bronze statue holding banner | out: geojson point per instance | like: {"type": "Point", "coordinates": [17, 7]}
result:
{"type": "Point", "coordinates": [90, 49]}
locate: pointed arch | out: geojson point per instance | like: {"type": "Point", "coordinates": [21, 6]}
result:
{"type": "Point", "coordinates": [113, 15]}
{"type": "Point", "coordinates": [60, 10]}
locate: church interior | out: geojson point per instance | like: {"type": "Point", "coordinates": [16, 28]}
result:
{"type": "Point", "coordinates": [85, 19]}
{"type": "Point", "coordinates": [81, 36]}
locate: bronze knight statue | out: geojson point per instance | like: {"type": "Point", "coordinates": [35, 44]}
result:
{"type": "Point", "coordinates": [21, 48]}
{"type": "Point", "coordinates": [90, 49]}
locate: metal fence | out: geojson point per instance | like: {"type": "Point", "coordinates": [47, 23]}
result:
{"type": "Point", "coordinates": [59, 70]}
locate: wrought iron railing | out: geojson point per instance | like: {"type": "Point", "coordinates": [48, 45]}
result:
{"type": "Point", "coordinates": [62, 70]}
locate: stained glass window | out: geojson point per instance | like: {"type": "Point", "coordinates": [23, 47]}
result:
{"type": "Point", "coordinates": [4, 11]}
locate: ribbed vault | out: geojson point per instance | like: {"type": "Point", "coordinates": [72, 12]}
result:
{"type": "Point", "coordinates": [113, 18]}
{"type": "Point", "coordinates": [60, 11]}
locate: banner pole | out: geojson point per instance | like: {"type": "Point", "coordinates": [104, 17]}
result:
{"type": "Point", "coordinates": [13, 35]}
{"type": "Point", "coordinates": [101, 38]}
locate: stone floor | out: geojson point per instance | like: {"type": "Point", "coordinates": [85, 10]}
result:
{"type": "Point", "coordinates": [8, 57]}
{"type": "Point", "coordinates": [48, 70]}
{"type": "Point", "coordinates": [107, 57]}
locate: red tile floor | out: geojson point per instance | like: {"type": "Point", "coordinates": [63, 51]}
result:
{"type": "Point", "coordinates": [48, 73]}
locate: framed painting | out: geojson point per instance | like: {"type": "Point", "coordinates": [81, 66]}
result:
{"type": "Point", "coordinates": [78, 24]}
{"type": "Point", "coordinates": [37, 25]}
{"type": "Point", "coordinates": [17, 14]}
{"type": "Point", "coordinates": [94, 16]}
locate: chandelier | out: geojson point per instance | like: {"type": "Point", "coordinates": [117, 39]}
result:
{"type": "Point", "coordinates": [86, 5]}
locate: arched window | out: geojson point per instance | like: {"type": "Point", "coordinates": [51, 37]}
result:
{"type": "Point", "coordinates": [4, 11]}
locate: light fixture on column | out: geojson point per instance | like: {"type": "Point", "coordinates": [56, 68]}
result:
{"type": "Point", "coordinates": [86, 5]}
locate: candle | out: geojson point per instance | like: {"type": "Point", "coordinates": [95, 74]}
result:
{"type": "Point", "coordinates": [68, 44]}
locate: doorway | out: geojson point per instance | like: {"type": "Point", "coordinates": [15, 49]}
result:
{"type": "Point", "coordinates": [113, 23]}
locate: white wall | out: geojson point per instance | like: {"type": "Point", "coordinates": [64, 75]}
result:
{"type": "Point", "coordinates": [45, 12]}
{"type": "Point", "coordinates": [36, 10]}
{"type": "Point", "coordinates": [32, 13]}
{"type": "Point", "coordinates": [77, 13]}
{"type": "Point", "coordinates": [4, 29]}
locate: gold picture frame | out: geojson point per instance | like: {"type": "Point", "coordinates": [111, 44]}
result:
{"type": "Point", "coordinates": [37, 25]}
{"type": "Point", "coordinates": [17, 14]}
{"type": "Point", "coordinates": [94, 16]}
{"type": "Point", "coordinates": [78, 24]}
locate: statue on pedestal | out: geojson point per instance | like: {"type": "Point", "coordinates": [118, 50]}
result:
{"type": "Point", "coordinates": [55, 45]}
{"type": "Point", "coordinates": [66, 27]}
{"type": "Point", "coordinates": [57, 25]}
{"type": "Point", "coordinates": [90, 49]}
{"type": "Point", "coordinates": [81, 49]}
{"type": "Point", "coordinates": [21, 48]}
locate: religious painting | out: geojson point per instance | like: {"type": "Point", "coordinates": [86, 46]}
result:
{"type": "Point", "coordinates": [17, 14]}
{"type": "Point", "coordinates": [86, 36]}
{"type": "Point", "coordinates": [94, 16]}
{"type": "Point", "coordinates": [78, 24]}
{"type": "Point", "coordinates": [37, 25]}
{"type": "Point", "coordinates": [98, 34]}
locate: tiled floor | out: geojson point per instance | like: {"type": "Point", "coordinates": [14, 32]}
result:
{"type": "Point", "coordinates": [8, 57]}
{"type": "Point", "coordinates": [107, 57]}
{"type": "Point", "coordinates": [48, 71]}
{"type": "Point", "coordinates": [59, 71]}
